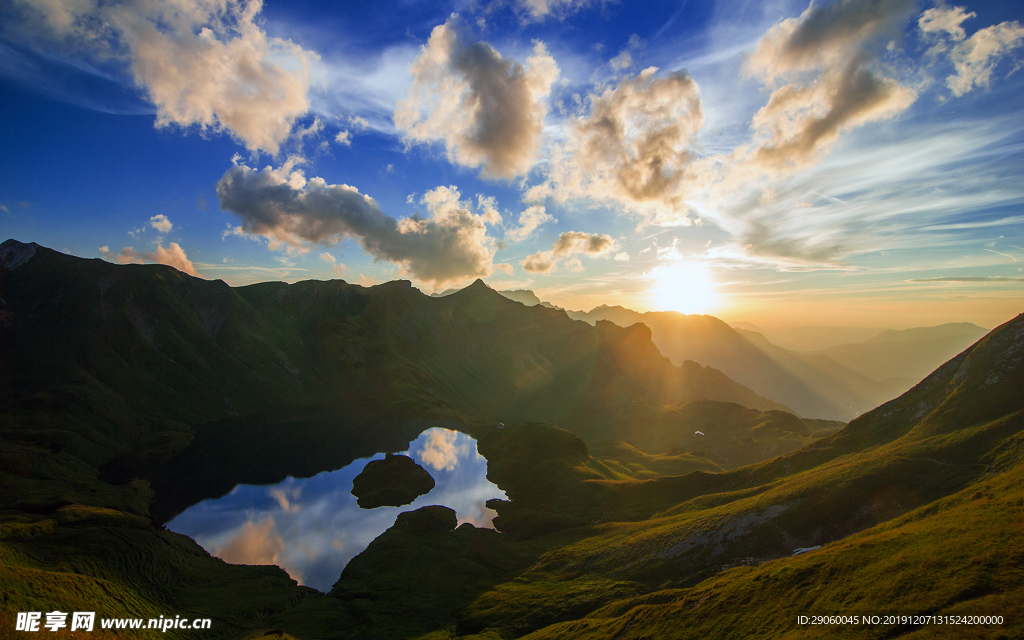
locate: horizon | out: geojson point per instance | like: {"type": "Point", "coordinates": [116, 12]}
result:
{"type": "Point", "coordinates": [746, 176]}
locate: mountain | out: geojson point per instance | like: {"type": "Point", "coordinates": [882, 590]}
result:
{"type": "Point", "coordinates": [911, 353]}
{"type": "Point", "coordinates": [147, 354]}
{"type": "Point", "coordinates": [122, 384]}
{"type": "Point", "coordinates": [811, 339]}
{"type": "Point", "coordinates": [913, 507]}
{"type": "Point", "coordinates": [814, 386]}
{"type": "Point", "coordinates": [949, 330]}
{"type": "Point", "coordinates": [527, 297]}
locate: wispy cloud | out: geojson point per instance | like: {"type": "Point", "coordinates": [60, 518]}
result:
{"type": "Point", "coordinates": [969, 279]}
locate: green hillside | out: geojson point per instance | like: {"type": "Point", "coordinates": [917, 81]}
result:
{"type": "Point", "coordinates": [130, 392]}
{"type": "Point", "coordinates": [917, 505]}
{"type": "Point", "coordinates": [147, 355]}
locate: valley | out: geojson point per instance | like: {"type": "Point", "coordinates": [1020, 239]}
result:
{"type": "Point", "coordinates": [658, 470]}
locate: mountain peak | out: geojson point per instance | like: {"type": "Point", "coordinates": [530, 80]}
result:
{"type": "Point", "coordinates": [14, 254]}
{"type": "Point", "coordinates": [479, 287]}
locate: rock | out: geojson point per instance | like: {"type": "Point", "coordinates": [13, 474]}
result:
{"type": "Point", "coordinates": [394, 481]}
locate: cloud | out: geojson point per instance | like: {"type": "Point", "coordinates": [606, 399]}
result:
{"type": "Point", "coordinates": [160, 223]}
{"type": "Point", "coordinates": [969, 279]}
{"type": "Point", "coordinates": [172, 256]}
{"type": "Point", "coordinates": [979, 224]}
{"type": "Point", "coordinates": [826, 54]}
{"type": "Point", "coordinates": [488, 110]}
{"type": "Point", "coordinates": [337, 268]}
{"type": "Point", "coordinates": [622, 257]}
{"type": "Point", "coordinates": [541, 262]}
{"type": "Point", "coordinates": [203, 63]}
{"type": "Point", "coordinates": [284, 500]}
{"type": "Point", "coordinates": [940, 20]}
{"type": "Point", "coordinates": [127, 255]}
{"type": "Point", "coordinates": [534, 10]}
{"type": "Point", "coordinates": [633, 148]}
{"type": "Point", "coordinates": [529, 220]}
{"type": "Point", "coordinates": [567, 245]}
{"type": "Point", "coordinates": [440, 450]}
{"type": "Point", "coordinates": [625, 58]}
{"type": "Point", "coordinates": [488, 205]}
{"type": "Point", "coordinates": [254, 544]}
{"type": "Point", "coordinates": [974, 59]}
{"type": "Point", "coordinates": [281, 205]}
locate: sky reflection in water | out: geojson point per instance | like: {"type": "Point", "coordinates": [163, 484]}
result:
{"type": "Point", "coordinates": [312, 527]}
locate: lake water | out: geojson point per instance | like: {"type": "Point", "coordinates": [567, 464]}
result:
{"type": "Point", "coordinates": [312, 527]}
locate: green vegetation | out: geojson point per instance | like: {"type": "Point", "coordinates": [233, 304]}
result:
{"type": "Point", "coordinates": [394, 481]}
{"type": "Point", "coordinates": [165, 389]}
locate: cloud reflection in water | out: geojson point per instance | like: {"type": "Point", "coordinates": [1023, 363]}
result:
{"type": "Point", "coordinates": [312, 527]}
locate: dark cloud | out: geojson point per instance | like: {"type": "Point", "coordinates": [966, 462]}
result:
{"type": "Point", "coordinates": [567, 245]}
{"type": "Point", "coordinates": [281, 205]}
{"type": "Point", "coordinates": [634, 147]}
{"type": "Point", "coordinates": [827, 54]}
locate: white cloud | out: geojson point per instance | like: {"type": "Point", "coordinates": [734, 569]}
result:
{"type": "Point", "coordinates": [160, 223]}
{"type": "Point", "coordinates": [440, 449]}
{"type": "Point", "coordinates": [529, 220]}
{"type": "Point", "coordinates": [203, 63]}
{"type": "Point", "coordinates": [488, 110]}
{"type": "Point", "coordinates": [533, 10]}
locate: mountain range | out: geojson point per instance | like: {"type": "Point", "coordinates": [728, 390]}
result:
{"type": "Point", "coordinates": [130, 391]}
{"type": "Point", "coordinates": [837, 383]}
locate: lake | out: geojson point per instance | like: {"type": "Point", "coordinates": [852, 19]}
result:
{"type": "Point", "coordinates": [312, 527]}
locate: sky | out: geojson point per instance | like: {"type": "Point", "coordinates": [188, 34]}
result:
{"type": "Point", "coordinates": [846, 163]}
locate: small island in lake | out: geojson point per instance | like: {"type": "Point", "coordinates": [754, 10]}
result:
{"type": "Point", "coordinates": [392, 482]}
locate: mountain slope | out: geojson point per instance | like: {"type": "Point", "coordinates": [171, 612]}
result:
{"type": "Point", "coordinates": [917, 505]}
{"type": "Point", "coordinates": [813, 386]}
{"type": "Point", "coordinates": [912, 353]}
{"type": "Point", "coordinates": [146, 353]}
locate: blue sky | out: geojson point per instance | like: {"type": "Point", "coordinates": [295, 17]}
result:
{"type": "Point", "coordinates": [849, 163]}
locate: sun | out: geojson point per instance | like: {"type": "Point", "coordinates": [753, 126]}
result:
{"type": "Point", "coordinates": [684, 287]}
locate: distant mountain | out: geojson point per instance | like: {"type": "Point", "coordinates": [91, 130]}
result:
{"type": "Point", "coordinates": [949, 330]}
{"type": "Point", "coordinates": [911, 353]}
{"type": "Point", "coordinates": [810, 339]}
{"type": "Point", "coordinates": [527, 297]}
{"type": "Point", "coordinates": [814, 386]}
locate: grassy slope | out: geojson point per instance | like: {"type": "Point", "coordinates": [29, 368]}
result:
{"type": "Point", "coordinates": [585, 540]}
{"type": "Point", "coordinates": [193, 386]}
{"type": "Point", "coordinates": [918, 504]}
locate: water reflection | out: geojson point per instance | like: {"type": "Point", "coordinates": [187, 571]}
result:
{"type": "Point", "coordinates": [312, 527]}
